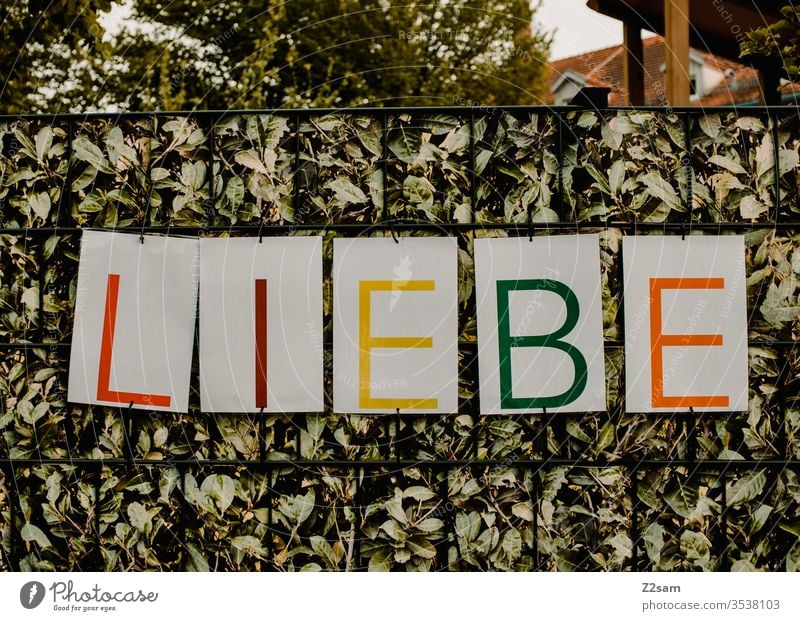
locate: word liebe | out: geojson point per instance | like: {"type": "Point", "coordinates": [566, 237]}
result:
{"type": "Point", "coordinates": [395, 308]}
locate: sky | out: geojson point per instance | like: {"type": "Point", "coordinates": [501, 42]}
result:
{"type": "Point", "coordinates": [578, 28]}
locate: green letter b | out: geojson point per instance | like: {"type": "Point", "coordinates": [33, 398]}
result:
{"type": "Point", "coordinates": [553, 340]}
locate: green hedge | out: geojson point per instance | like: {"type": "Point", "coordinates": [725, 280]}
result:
{"type": "Point", "coordinates": [284, 169]}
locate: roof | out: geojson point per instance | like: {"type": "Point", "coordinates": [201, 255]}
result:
{"type": "Point", "coordinates": [739, 85]}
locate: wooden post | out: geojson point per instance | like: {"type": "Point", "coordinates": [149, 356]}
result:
{"type": "Point", "coordinates": [770, 80]}
{"type": "Point", "coordinates": [676, 51]}
{"type": "Point", "coordinates": [633, 64]}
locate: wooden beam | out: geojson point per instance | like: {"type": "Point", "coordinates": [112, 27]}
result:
{"type": "Point", "coordinates": [717, 26]}
{"type": "Point", "coordinates": [633, 64]}
{"type": "Point", "coordinates": [676, 51]}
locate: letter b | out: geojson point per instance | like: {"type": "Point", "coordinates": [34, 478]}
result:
{"type": "Point", "coordinates": [552, 340]}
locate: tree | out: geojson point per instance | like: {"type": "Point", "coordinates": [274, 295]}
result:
{"type": "Point", "coordinates": [780, 40]}
{"type": "Point", "coordinates": [241, 54]}
{"type": "Point", "coordinates": [50, 51]}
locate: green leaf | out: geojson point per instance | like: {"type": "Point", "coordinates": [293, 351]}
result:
{"type": "Point", "coordinates": [623, 547]}
{"type": "Point", "coordinates": [523, 511]}
{"type": "Point", "coordinates": [23, 174]}
{"type": "Point", "coordinates": [711, 125]}
{"type": "Point", "coordinates": [430, 525]}
{"type": "Point", "coordinates": [31, 532]}
{"type": "Point", "coordinates": [611, 135]}
{"type": "Point", "coordinates": [606, 437]}
{"type": "Point", "coordinates": [247, 545]}
{"type": "Point", "coordinates": [311, 567]}
{"type": "Point", "coordinates": [468, 525]}
{"type": "Point", "coordinates": [188, 176]}
{"type": "Point", "coordinates": [406, 145]}
{"type": "Point", "coordinates": [419, 493]}
{"type": "Point", "coordinates": [30, 298]}
{"type": "Point", "coordinates": [760, 517]}
{"type": "Point", "coordinates": [791, 527]}
{"type": "Point", "coordinates": [789, 160]}
{"type": "Point", "coordinates": [654, 542]}
{"type": "Point", "coordinates": [394, 507]}
{"type": "Point", "coordinates": [544, 214]}
{"type": "Point", "coordinates": [750, 207]}
{"type": "Point", "coordinates": [323, 549]}
{"type": "Point", "coordinates": [402, 555]}
{"type": "Point", "coordinates": [463, 213]}
{"type": "Point", "coordinates": [371, 140]}
{"type": "Point", "coordinates": [305, 505]}
{"type": "Point", "coordinates": [221, 489]}
{"type": "Point", "coordinates": [471, 488]}
{"type": "Point", "coordinates": [728, 164]}
{"type": "Point", "coordinates": [380, 561]}
{"type": "Point", "coordinates": [457, 140]}
{"type": "Point", "coordinates": [160, 436]}
{"type": "Point", "coordinates": [167, 483]}
{"type": "Point", "coordinates": [158, 174]}
{"type": "Point", "coordinates": [234, 192]}
{"type": "Point", "coordinates": [27, 146]}
{"type": "Point", "coordinates": [196, 560]}
{"type": "Point", "coordinates": [90, 153]}
{"type": "Point", "coordinates": [40, 203]}
{"type": "Point", "coordinates": [743, 565]}
{"type": "Point", "coordinates": [512, 544]}
{"type": "Point", "coordinates": [663, 190]}
{"type": "Point", "coordinates": [748, 487]}
{"type": "Point", "coordinates": [43, 375]}
{"type": "Point", "coordinates": [696, 548]}
{"type": "Point", "coordinates": [616, 175]}
{"type": "Point", "coordinates": [422, 547]}
{"type": "Point", "coordinates": [346, 192]}
{"type": "Point", "coordinates": [775, 307]}
{"type": "Point", "coordinates": [139, 517]}
{"type": "Point", "coordinates": [439, 124]}
{"type": "Point", "coordinates": [393, 529]}
{"type": "Point", "coordinates": [587, 120]}
{"type": "Point", "coordinates": [50, 245]}
{"type": "Point", "coordinates": [250, 159]}
{"type": "Point", "coordinates": [42, 408]}
{"type": "Point", "coordinates": [53, 484]}
{"type": "Point", "coordinates": [681, 499]}
{"type": "Point", "coordinates": [418, 191]}
{"type": "Point", "coordinates": [44, 140]}
{"type": "Point", "coordinates": [118, 150]}
{"type": "Point", "coordinates": [749, 124]}
{"type": "Point", "coordinates": [576, 431]}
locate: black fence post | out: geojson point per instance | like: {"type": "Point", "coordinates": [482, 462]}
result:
{"type": "Point", "coordinates": [634, 534]}
{"type": "Point", "coordinates": [385, 166]}
{"type": "Point", "coordinates": [13, 555]}
{"type": "Point", "coordinates": [211, 203]}
{"type": "Point", "coordinates": [688, 167]}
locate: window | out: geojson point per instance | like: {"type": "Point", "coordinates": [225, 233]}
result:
{"type": "Point", "coordinates": [567, 86]}
{"type": "Point", "coordinates": [697, 86]}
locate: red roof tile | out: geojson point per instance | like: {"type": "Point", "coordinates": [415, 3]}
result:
{"type": "Point", "coordinates": [604, 68]}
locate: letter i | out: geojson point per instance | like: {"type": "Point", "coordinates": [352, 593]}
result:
{"type": "Point", "coordinates": [261, 342]}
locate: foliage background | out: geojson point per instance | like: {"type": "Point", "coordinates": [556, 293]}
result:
{"type": "Point", "coordinates": [144, 55]}
{"type": "Point", "coordinates": [637, 500]}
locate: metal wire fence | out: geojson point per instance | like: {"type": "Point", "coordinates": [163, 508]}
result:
{"type": "Point", "coordinates": [576, 194]}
